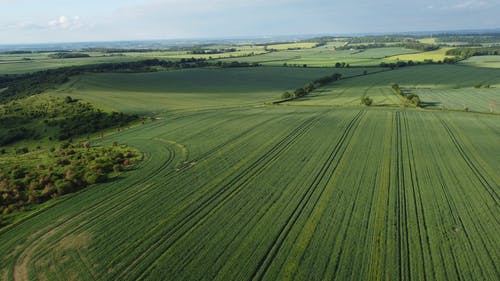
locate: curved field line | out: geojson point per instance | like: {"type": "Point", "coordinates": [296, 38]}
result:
{"type": "Point", "coordinates": [222, 195]}
{"type": "Point", "coordinates": [24, 257]}
{"type": "Point", "coordinates": [265, 262]}
{"type": "Point", "coordinates": [473, 167]}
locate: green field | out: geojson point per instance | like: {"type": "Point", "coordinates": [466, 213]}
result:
{"type": "Point", "coordinates": [234, 187]}
{"type": "Point", "coordinates": [326, 56]}
{"type": "Point", "coordinates": [437, 81]}
{"type": "Point", "coordinates": [193, 88]}
{"type": "Point", "coordinates": [483, 61]}
{"type": "Point", "coordinates": [272, 193]}
{"type": "Point", "coordinates": [287, 46]}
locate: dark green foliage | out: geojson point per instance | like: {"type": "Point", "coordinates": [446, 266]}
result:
{"type": "Point", "coordinates": [213, 51]}
{"type": "Point", "coordinates": [415, 45]}
{"type": "Point", "coordinates": [470, 52]}
{"type": "Point", "coordinates": [68, 55]}
{"type": "Point", "coordinates": [57, 118]}
{"type": "Point", "coordinates": [366, 101]}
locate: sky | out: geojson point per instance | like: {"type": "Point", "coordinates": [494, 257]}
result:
{"type": "Point", "coordinates": [49, 21]}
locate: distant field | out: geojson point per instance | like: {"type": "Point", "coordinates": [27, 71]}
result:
{"type": "Point", "coordinates": [428, 40]}
{"type": "Point", "coordinates": [16, 64]}
{"type": "Point", "coordinates": [437, 55]}
{"type": "Point", "coordinates": [483, 61]}
{"type": "Point", "coordinates": [327, 57]}
{"type": "Point", "coordinates": [194, 88]}
{"type": "Point", "coordinates": [432, 78]}
{"type": "Point", "coordinates": [292, 46]}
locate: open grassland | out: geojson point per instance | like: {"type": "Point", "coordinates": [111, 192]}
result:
{"type": "Point", "coordinates": [436, 55]}
{"type": "Point", "coordinates": [325, 56]}
{"type": "Point", "coordinates": [193, 88]}
{"type": "Point", "coordinates": [453, 83]}
{"type": "Point", "coordinates": [280, 193]}
{"type": "Point", "coordinates": [483, 61]}
{"type": "Point", "coordinates": [428, 40]}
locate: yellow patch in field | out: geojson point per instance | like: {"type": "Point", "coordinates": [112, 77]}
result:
{"type": "Point", "coordinates": [436, 55]}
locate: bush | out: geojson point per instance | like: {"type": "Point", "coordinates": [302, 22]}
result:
{"type": "Point", "coordinates": [286, 95]}
{"type": "Point", "coordinates": [366, 101]}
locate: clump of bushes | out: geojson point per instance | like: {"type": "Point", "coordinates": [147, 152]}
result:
{"type": "Point", "coordinates": [69, 168]}
{"type": "Point", "coordinates": [311, 86]}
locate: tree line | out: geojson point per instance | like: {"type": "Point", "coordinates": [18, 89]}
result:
{"type": "Point", "coordinates": [470, 52]}
{"type": "Point", "coordinates": [311, 86]}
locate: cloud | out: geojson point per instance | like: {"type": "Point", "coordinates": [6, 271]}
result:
{"type": "Point", "coordinates": [470, 4]}
{"type": "Point", "coordinates": [64, 22]}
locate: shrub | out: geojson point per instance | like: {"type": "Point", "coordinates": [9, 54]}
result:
{"type": "Point", "coordinates": [366, 101]}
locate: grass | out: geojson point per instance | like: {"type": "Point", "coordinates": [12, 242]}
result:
{"type": "Point", "coordinates": [436, 55]}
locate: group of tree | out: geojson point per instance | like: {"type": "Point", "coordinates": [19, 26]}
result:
{"type": "Point", "coordinates": [55, 118]}
{"type": "Point", "coordinates": [212, 51]}
{"type": "Point", "coordinates": [415, 45]}
{"type": "Point", "coordinates": [470, 52]}
{"type": "Point", "coordinates": [311, 86]}
{"type": "Point", "coordinates": [64, 170]}
{"type": "Point", "coordinates": [409, 98]}
{"type": "Point", "coordinates": [68, 55]}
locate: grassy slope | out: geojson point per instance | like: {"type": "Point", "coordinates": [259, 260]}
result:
{"type": "Point", "coordinates": [437, 55]}
{"type": "Point", "coordinates": [194, 88]}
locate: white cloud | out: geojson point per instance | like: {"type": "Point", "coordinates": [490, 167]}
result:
{"type": "Point", "coordinates": [470, 4]}
{"type": "Point", "coordinates": [65, 22]}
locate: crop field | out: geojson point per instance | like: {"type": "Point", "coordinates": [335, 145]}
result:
{"type": "Point", "coordinates": [481, 100]}
{"type": "Point", "coordinates": [326, 56]}
{"type": "Point", "coordinates": [447, 84]}
{"type": "Point", "coordinates": [436, 55]}
{"type": "Point", "coordinates": [292, 46]}
{"type": "Point", "coordinates": [15, 64]}
{"type": "Point", "coordinates": [194, 88]}
{"type": "Point", "coordinates": [483, 61]}
{"type": "Point", "coordinates": [280, 193]}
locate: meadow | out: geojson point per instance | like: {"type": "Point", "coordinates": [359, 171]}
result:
{"type": "Point", "coordinates": [236, 184]}
{"type": "Point", "coordinates": [436, 55]}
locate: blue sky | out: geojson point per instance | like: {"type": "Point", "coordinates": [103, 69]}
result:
{"type": "Point", "coordinates": [37, 21]}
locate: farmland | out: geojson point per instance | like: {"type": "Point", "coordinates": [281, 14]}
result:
{"type": "Point", "coordinates": [201, 198]}
{"type": "Point", "coordinates": [437, 55]}
{"type": "Point", "coordinates": [236, 183]}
